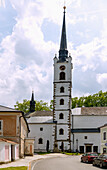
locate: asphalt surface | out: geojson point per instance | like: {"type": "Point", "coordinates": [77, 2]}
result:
{"type": "Point", "coordinates": [29, 160]}
{"type": "Point", "coordinates": [62, 163]}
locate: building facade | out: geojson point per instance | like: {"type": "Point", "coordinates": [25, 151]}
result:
{"type": "Point", "coordinates": [13, 131]}
{"type": "Point", "coordinates": [42, 129]}
{"type": "Point", "coordinates": [62, 94]}
{"type": "Point", "coordinates": [103, 138]}
{"type": "Point", "coordinates": [64, 129]}
{"type": "Point", "coordinates": [85, 131]}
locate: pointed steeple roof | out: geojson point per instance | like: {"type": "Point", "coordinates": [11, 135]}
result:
{"type": "Point", "coordinates": [32, 103]}
{"type": "Point", "coordinates": [63, 44]}
{"type": "Point", "coordinates": [63, 52]}
{"type": "Point", "coordinates": [32, 98]}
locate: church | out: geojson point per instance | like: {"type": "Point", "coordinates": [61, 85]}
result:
{"type": "Point", "coordinates": [65, 129]}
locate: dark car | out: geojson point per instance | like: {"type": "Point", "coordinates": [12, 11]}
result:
{"type": "Point", "coordinates": [100, 161]}
{"type": "Point", "coordinates": [88, 157]}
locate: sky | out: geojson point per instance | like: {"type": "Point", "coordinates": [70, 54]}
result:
{"type": "Point", "coordinates": [30, 33]}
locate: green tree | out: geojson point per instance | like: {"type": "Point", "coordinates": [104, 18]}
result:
{"type": "Point", "coordinates": [96, 100]}
{"type": "Point", "coordinates": [41, 106]}
{"type": "Point", "coordinates": [25, 106]}
{"type": "Point", "coordinates": [51, 104]}
{"type": "Point", "coordinates": [74, 102]}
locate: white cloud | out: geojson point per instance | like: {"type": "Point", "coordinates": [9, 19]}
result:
{"type": "Point", "coordinates": [102, 80]}
{"type": "Point", "coordinates": [2, 3]}
{"type": "Point", "coordinates": [26, 58]}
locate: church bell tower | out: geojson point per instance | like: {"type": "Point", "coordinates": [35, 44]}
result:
{"type": "Point", "coordinates": [62, 94]}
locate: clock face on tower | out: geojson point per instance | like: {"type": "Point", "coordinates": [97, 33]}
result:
{"type": "Point", "coordinates": [62, 67]}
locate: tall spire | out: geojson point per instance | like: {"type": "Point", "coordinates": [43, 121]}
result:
{"type": "Point", "coordinates": [32, 98]}
{"type": "Point", "coordinates": [32, 103]}
{"type": "Point", "coordinates": [63, 52]}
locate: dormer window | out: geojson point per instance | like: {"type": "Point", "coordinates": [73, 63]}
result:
{"type": "Point", "coordinates": [62, 76]}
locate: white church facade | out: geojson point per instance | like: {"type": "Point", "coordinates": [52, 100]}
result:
{"type": "Point", "coordinates": [65, 129]}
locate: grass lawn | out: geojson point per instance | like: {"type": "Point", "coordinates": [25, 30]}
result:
{"type": "Point", "coordinates": [67, 153]}
{"type": "Point", "coordinates": [15, 168]}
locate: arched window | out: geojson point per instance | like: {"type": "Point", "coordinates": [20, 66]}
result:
{"type": "Point", "coordinates": [61, 116]}
{"type": "Point", "coordinates": [62, 90]}
{"type": "Point", "coordinates": [40, 141]}
{"type": "Point", "coordinates": [61, 131]}
{"type": "Point", "coordinates": [62, 102]}
{"type": "Point", "coordinates": [62, 76]}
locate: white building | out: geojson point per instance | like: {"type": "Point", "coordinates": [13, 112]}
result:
{"type": "Point", "coordinates": [9, 150]}
{"type": "Point", "coordinates": [86, 122]}
{"type": "Point", "coordinates": [65, 129]}
{"type": "Point", "coordinates": [42, 128]}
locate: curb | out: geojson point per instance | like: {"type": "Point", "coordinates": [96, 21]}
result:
{"type": "Point", "coordinates": [29, 166]}
{"type": "Point", "coordinates": [30, 163]}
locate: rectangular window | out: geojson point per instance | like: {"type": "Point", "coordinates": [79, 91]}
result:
{"type": "Point", "coordinates": [81, 149]}
{"type": "Point", "coordinates": [104, 136]}
{"type": "Point", "coordinates": [85, 137]}
{"type": "Point", "coordinates": [95, 149]}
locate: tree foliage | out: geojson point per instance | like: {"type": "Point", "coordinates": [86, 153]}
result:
{"type": "Point", "coordinates": [25, 106]}
{"type": "Point", "coordinates": [96, 100]}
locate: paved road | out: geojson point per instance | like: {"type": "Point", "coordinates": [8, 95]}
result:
{"type": "Point", "coordinates": [64, 163]}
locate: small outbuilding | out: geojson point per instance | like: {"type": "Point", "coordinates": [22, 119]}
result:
{"type": "Point", "coordinates": [29, 146]}
{"type": "Point", "coordinates": [9, 150]}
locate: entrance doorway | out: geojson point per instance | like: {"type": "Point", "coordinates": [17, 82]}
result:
{"type": "Point", "coordinates": [12, 152]}
{"type": "Point", "coordinates": [81, 149]}
{"type": "Point", "coordinates": [47, 146]}
{"type": "Point", "coordinates": [88, 148]}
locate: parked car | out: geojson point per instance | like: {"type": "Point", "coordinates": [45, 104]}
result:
{"type": "Point", "coordinates": [88, 157]}
{"type": "Point", "coordinates": [100, 161]}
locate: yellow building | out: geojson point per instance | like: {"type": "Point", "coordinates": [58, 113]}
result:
{"type": "Point", "coordinates": [13, 128]}
{"type": "Point", "coordinates": [103, 131]}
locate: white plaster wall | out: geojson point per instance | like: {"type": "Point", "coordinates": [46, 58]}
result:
{"type": "Point", "coordinates": [66, 116]}
{"type": "Point", "coordinates": [9, 152]}
{"type": "Point", "coordinates": [68, 66]}
{"type": "Point", "coordinates": [92, 138]}
{"type": "Point", "coordinates": [66, 88]}
{"type": "Point", "coordinates": [57, 103]}
{"type": "Point", "coordinates": [88, 121]}
{"type": "Point", "coordinates": [46, 134]}
{"type": "Point", "coordinates": [15, 147]}
{"type": "Point", "coordinates": [66, 132]}
{"type": "Point", "coordinates": [2, 152]}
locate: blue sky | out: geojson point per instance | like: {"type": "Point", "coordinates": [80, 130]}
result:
{"type": "Point", "coordinates": [30, 32]}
